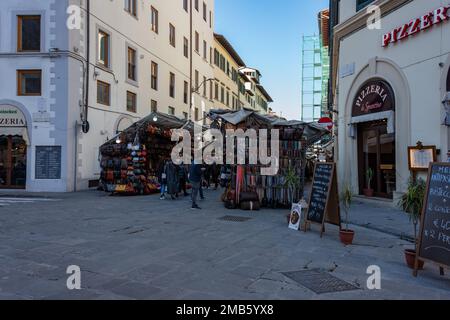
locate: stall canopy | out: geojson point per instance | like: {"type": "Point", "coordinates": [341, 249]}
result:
{"type": "Point", "coordinates": [312, 132]}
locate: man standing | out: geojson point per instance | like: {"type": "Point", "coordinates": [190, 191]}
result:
{"type": "Point", "coordinates": [182, 176]}
{"type": "Point", "coordinates": [195, 177]}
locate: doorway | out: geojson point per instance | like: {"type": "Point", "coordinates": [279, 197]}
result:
{"type": "Point", "coordinates": [376, 148]}
{"type": "Point", "coordinates": [13, 162]}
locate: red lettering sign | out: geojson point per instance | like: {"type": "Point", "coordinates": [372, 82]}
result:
{"type": "Point", "coordinates": [417, 25]}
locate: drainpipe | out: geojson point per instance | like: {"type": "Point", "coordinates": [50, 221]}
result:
{"type": "Point", "coordinates": [191, 95]}
{"type": "Point", "coordinates": [88, 58]}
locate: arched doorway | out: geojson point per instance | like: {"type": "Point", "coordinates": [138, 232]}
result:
{"type": "Point", "coordinates": [13, 148]}
{"type": "Point", "coordinates": [373, 114]}
{"type": "Point", "coordinates": [122, 124]}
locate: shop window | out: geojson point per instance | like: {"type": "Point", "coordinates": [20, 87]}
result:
{"type": "Point", "coordinates": [29, 82]}
{"type": "Point", "coordinates": [361, 4]}
{"type": "Point", "coordinates": [29, 33]}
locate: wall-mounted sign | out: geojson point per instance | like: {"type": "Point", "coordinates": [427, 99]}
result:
{"type": "Point", "coordinates": [48, 163]}
{"type": "Point", "coordinates": [347, 70]}
{"type": "Point", "coordinates": [374, 96]}
{"type": "Point", "coordinates": [417, 25]}
{"type": "Point", "coordinates": [11, 116]}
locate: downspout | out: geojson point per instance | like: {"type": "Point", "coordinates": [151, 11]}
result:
{"type": "Point", "coordinates": [191, 96]}
{"type": "Point", "coordinates": [88, 58]}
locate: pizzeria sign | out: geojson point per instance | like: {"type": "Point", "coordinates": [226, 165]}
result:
{"type": "Point", "coordinates": [11, 117]}
{"type": "Point", "coordinates": [417, 25]}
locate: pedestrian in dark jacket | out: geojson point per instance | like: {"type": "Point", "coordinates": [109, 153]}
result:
{"type": "Point", "coordinates": [182, 178]}
{"type": "Point", "coordinates": [163, 179]}
{"type": "Point", "coordinates": [172, 179]}
{"type": "Point", "coordinates": [195, 177]}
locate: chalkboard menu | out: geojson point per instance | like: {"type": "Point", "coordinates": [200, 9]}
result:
{"type": "Point", "coordinates": [323, 175]}
{"type": "Point", "coordinates": [48, 163]}
{"type": "Point", "coordinates": [434, 244]}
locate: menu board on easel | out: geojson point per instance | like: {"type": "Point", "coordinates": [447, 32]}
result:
{"type": "Point", "coordinates": [434, 241]}
{"type": "Point", "coordinates": [324, 200]}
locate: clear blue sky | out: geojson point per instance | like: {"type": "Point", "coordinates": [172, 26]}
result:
{"type": "Point", "coordinates": [267, 35]}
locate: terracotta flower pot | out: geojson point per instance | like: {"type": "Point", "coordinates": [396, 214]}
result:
{"type": "Point", "coordinates": [410, 257]}
{"type": "Point", "coordinates": [347, 236]}
{"type": "Point", "coordinates": [368, 192]}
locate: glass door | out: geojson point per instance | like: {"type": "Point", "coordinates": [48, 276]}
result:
{"type": "Point", "coordinates": [13, 162]}
{"type": "Point", "coordinates": [377, 155]}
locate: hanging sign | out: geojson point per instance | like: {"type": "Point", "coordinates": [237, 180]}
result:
{"type": "Point", "coordinates": [417, 25]}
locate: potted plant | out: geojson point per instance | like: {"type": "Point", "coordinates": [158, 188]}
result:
{"type": "Point", "coordinates": [346, 235]}
{"type": "Point", "coordinates": [292, 181]}
{"type": "Point", "coordinates": [412, 203]}
{"type": "Point", "coordinates": [369, 177]}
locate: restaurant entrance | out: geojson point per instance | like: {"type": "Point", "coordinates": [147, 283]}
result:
{"type": "Point", "coordinates": [376, 150]}
{"type": "Point", "coordinates": [13, 162]}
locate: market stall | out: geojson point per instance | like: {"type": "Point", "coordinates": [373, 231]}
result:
{"type": "Point", "coordinates": [249, 188]}
{"type": "Point", "coordinates": [131, 162]}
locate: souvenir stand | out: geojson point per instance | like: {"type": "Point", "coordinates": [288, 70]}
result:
{"type": "Point", "coordinates": [132, 160]}
{"type": "Point", "coordinates": [247, 182]}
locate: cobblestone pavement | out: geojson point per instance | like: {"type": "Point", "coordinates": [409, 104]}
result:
{"type": "Point", "coordinates": [145, 248]}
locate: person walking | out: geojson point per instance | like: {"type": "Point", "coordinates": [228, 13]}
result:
{"type": "Point", "coordinates": [163, 180]}
{"type": "Point", "coordinates": [215, 171]}
{"type": "Point", "coordinates": [172, 179]}
{"type": "Point", "coordinates": [182, 178]}
{"type": "Point", "coordinates": [195, 177]}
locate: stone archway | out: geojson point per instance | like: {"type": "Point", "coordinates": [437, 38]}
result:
{"type": "Point", "coordinates": [122, 123]}
{"type": "Point", "coordinates": [391, 73]}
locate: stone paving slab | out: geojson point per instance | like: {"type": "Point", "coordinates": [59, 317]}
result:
{"type": "Point", "coordinates": [145, 248]}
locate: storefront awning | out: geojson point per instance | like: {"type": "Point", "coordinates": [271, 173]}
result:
{"type": "Point", "coordinates": [389, 115]}
{"type": "Point", "coordinates": [16, 131]}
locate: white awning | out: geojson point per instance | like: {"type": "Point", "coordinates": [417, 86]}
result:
{"type": "Point", "coordinates": [389, 115]}
{"type": "Point", "coordinates": [16, 131]}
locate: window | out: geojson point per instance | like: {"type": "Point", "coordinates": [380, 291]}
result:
{"type": "Point", "coordinates": [172, 35]}
{"type": "Point", "coordinates": [196, 5]}
{"type": "Point", "coordinates": [196, 114]}
{"type": "Point", "coordinates": [210, 55]}
{"type": "Point", "coordinates": [197, 79]}
{"type": "Point", "coordinates": [185, 5]}
{"type": "Point", "coordinates": [29, 82]}
{"type": "Point", "coordinates": [155, 20]}
{"type": "Point", "coordinates": [204, 86]}
{"type": "Point", "coordinates": [172, 111]}
{"type": "Point", "coordinates": [222, 95]}
{"type": "Point", "coordinates": [205, 50]}
{"type": "Point", "coordinates": [197, 42]}
{"type": "Point", "coordinates": [131, 64]}
{"type": "Point", "coordinates": [216, 92]}
{"type": "Point", "coordinates": [154, 78]}
{"type": "Point", "coordinates": [361, 4]}
{"type": "Point", "coordinates": [103, 48]}
{"type": "Point", "coordinates": [154, 106]}
{"type": "Point", "coordinates": [131, 102]}
{"type": "Point", "coordinates": [210, 19]}
{"type": "Point", "coordinates": [186, 47]}
{"type": "Point", "coordinates": [228, 98]}
{"type": "Point", "coordinates": [205, 10]}
{"type": "Point", "coordinates": [185, 115]}
{"type": "Point", "coordinates": [186, 92]}
{"type": "Point", "coordinates": [29, 33]}
{"type": "Point", "coordinates": [211, 90]}
{"type": "Point", "coordinates": [172, 85]}
{"type": "Point", "coordinates": [130, 7]}
{"type": "Point", "coordinates": [103, 93]}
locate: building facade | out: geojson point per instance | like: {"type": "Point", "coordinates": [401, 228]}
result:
{"type": "Point", "coordinates": [81, 71]}
{"type": "Point", "coordinates": [390, 78]}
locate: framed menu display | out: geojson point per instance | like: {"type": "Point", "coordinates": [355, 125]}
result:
{"type": "Point", "coordinates": [420, 157]}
